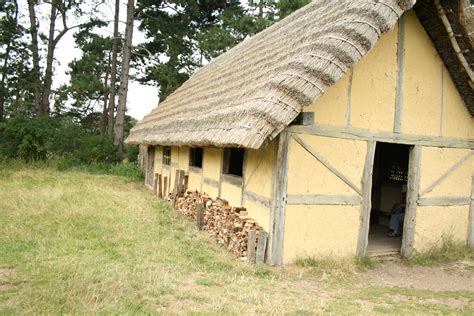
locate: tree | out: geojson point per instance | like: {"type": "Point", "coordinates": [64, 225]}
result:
{"type": "Point", "coordinates": [59, 9]}
{"type": "Point", "coordinates": [15, 73]}
{"type": "Point", "coordinates": [124, 78]}
{"type": "Point", "coordinates": [113, 71]}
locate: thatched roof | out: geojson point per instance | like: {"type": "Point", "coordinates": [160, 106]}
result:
{"type": "Point", "coordinates": [461, 19]}
{"type": "Point", "coordinates": [251, 93]}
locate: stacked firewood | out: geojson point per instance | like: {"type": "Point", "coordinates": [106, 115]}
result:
{"type": "Point", "coordinates": [228, 225]}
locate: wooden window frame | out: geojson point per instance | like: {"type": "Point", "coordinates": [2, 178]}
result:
{"type": "Point", "coordinates": [226, 162]}
{"type": "Point", "coordinates": [166, 155]}
{"type": "Point", "coordinates": [192, 157]}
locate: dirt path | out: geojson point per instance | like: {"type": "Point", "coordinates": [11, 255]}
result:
{"type": "Point", "coordinates": [452, 277]}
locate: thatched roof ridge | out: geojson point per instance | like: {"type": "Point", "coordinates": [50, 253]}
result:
{"type": "Point", "coordinates": [249, 94]}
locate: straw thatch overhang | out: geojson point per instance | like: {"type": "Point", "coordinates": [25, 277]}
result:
{"type": "Point", "coordinates": [460, 15]}
{"type": "Point", "coordinates": [246, 96]}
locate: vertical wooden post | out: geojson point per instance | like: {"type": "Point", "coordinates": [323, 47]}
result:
{"type": "Point", "coordinates": [366, 199]}
{"type": "Point", "coordinates": [200, 216]}
{"type": "Point", "coordinates": [470, 238]}
{"type": "Point", "coordinates": [155, 184]}
{"type": "Point", "coordinates": [413, 187]}
{"type": "Point", "coordinates": [277, 211]}
{"type": "Point", "coordinates": [160, 186]}
{"type": "Point", "coordinates": [251, 245]}
{"type": "Point", "coordinates": [261, 247]}
{"type": "Point", "coordinates": [165, 187]}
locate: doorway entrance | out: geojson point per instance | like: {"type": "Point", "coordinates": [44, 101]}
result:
{"type": "Point", "coordinates": [389, 188]}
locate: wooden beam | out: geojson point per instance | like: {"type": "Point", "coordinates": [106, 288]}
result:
{"type": "Point", "coordinates": [255, 198]}
{"type": "Point", "coordinates": [160, 186]}
{"type": "Point", "coordinates": [444, 201]}
{"type": "Point", "coordinates": [397, 124]}
{"type": "Point", "coordinates": [386, 137]}
{"type": "Point", "coordinates": [261, 247]}
{"type": "Point", "coordinates": [446, 174]}
{"type": "Point", "coordinates": [231, 179]}
{"type": "Point", "coordinates": [349, 98]}
{"type": "Point", "coordinates": [211, 182]}
{"type": "Point", "coordinates": [200, 210]}
{"type": "Point", "coordinates": [412, 197]}
{"type": "Point", "coordinates": [366, 205]}
{"type": "Point", "coordinates": [277, 210]}
{"type": "Point", "coordinates": [251, 246]}
{"type": "Point", "coordinates": [326, 163]}
{"type": "Point", "coordinates": [470, 238]}
{"type": "Point", "coordinates": [296, 199]}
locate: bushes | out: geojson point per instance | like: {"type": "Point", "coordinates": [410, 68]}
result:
{"type": "Point", "coordinates": [40, 138]}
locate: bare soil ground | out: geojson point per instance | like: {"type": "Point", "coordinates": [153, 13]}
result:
{"type": "Point", "coordinates": [457, 276]}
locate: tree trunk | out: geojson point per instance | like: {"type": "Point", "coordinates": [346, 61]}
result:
{"type": "Point", "coordinates": [103, 118]}
{"type": "Point", "coordinates": [35, 53]}
{"type": "Point", "coordinates": [113, 72]}
{"type": "Point", "coordinates": [124, 76]}
{"type": "Point", "coordinates": [48, 76]}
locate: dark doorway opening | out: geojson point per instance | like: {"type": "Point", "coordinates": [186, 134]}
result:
{"type": "Point", "coordinates": [389, 188]}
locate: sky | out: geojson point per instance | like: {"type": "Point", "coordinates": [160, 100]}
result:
{"type": "Point", "coordinates": [141, 98]}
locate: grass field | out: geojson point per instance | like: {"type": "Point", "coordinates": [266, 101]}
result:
{"type": "Point", "coordinates": [75, 242]}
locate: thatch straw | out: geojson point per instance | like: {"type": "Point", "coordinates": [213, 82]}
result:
{"type": "Point", "coordinates": [247, 95]}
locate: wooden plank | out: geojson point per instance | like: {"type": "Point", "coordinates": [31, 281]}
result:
{"type": "Point", "coordinates": [160, 186]}
{"type": "Point", "coordinates": [244, 169]}
{"type": "Point", "coordinates": [251, 246]}
{"type": "Point", "coordinates": [386, 137]}
{"type": "Point", "coordinates": [326, 163]}
{"type": "Point", "coordinates": [165, 187]}
{"type": "Point", "coordinates": [446, 174]}
{"type": "Point", "coordinates": [470, 238]}
{"type": "Point", "coordinates": [277, 210]}
{"type": "Point", "coordinates": [200, 208]}
{"type": "Point", "coordinates": [186, 183]}
{"type": "Point", "coordinates": [261, 247]}
{"type": "Point", "coordinates": [444, 201]}
{"type": "Point", "coordinates": [411, 205]}
{"type": "Point", "coordinates": [295, 199]}
{"type": "Point", "coordinates": [397, 124]}
{"type": "Point", "coordinates": [366, 205]}
{"type": "Point", "coordinates": [176, 181]}
{"type": "Point", "coordinates": [349, 98]}
{"type": "Point", "coordinates": [155, 184]}
{"type": "Point", "coordinates": [255, 198]}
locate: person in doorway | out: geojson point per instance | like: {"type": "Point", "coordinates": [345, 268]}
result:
{"type": "Point", "coordinates": [397, 215]}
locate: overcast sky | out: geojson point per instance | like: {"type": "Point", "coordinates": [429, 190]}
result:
{"type": "Point", "coordinates": [141, 98]}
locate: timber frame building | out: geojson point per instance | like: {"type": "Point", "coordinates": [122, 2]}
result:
{"type": "Point", "coordinates": [318, 124]}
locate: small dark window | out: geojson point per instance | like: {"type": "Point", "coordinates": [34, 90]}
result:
{"type": "Point", "coordinates": [167, 156]}
{"type": "Point", "coordinates": [195, 157]}
{"type": "Point", "coordinates": [233, 161]}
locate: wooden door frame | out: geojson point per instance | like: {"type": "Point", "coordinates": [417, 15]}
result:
{"type": "Point", "coordinates": [413, 182]}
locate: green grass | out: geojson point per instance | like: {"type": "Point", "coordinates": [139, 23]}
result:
{"type": "Point", "coordinates": [450, 250]}
{"type": "Point", "coordinates": [76, 242]}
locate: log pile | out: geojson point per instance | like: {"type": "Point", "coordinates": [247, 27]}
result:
{"type": "Point", "coordinates": [230, 226]}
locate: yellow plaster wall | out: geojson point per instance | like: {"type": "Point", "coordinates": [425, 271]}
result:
{"type": "Point", "coordinates": [231, 193]}
{"type": "Point", "coordinates": [259, 213]}
{"type": "Point", "coordinates": [259, 168]}
{"type": "Point", "coordinates": [158, 158]}
{"type": "Point", "coordinates": [320, 230]}
{"type": "Point", "coordinates": [435, 222]}
{"type": "Point", "coordinates": [211, 164]}
{"type": "Point", "coordinates": [306, 175]}
{"type": "Point", "coordinates": [374, 86]}
{"type": "Point", "coordinates": [421, 81]}
{"type": "Point", "coordinates": [330, 109]}
{"type": "Point", "coordinates": [194, 181]}
{"type": "Point", "coordinates": [211, 190]}
{"type": "Point", "coordinates": [183, 162]}
{"type": "Point", "coordinates": [436, 161]}
{"type": "Point", "coordinates": [457, 121]}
